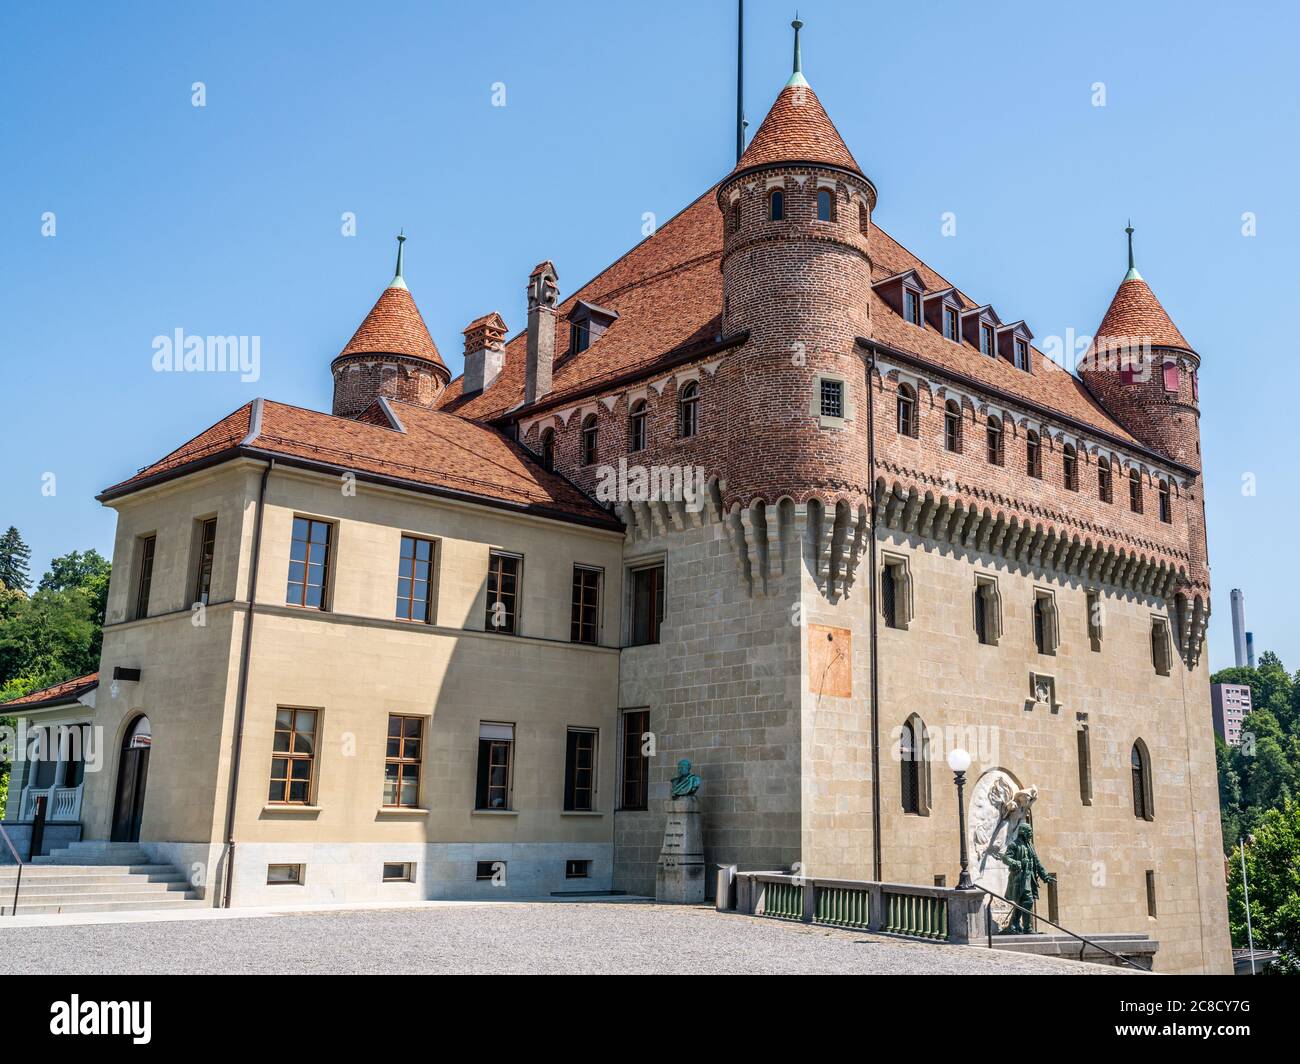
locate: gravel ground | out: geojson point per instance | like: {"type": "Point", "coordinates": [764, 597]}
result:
{"type": "Point", "coordinates": [528, 938]}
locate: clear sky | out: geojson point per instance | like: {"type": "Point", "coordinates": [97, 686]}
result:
{"type": "Point", "coordinates": [227, 219]}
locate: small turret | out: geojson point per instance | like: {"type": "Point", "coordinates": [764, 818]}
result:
{"type": "Point", "coordinates": [390, 355]}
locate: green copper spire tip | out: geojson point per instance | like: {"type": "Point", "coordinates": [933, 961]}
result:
{"type": "Point", "coordinates": [1132, 274]}
{"type": "Point", "coordinates": [398, 280]}
{"type": "Point", "coordinates": [797, 77]}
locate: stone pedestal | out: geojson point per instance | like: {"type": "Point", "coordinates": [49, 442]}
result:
{"type": "Point", "coordinates": [680, 877]}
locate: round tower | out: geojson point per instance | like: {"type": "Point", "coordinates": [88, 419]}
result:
{"type": "Point", "coordinates": [796, 275]}
{"type": "Point", "coordinates": [1144, 372]}
{"type": "Point", "coordinates": [390, 355]}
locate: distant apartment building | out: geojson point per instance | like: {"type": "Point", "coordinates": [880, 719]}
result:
{"type": "Point", "coordinates": [1231, 704]}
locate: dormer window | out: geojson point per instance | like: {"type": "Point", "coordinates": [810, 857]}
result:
{"type": "Point", "coordinates": [579, 338]}
{"type": "Point", "coordinates": [912, 305]}
{"type": "Point", "coordinates": [1022, 354]}
{"type": "Point", "coordinates": [776, 206]}
{"type": "Point", "coordinates": [587, 323]}
{"type": "Point", "coordinates": [988, 341]}
{"type": "Point", "coordinates": [825, 205]}
{"type": "Point", "coordinates": [951, 325]}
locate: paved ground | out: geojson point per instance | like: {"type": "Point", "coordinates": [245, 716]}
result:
{"type": "Point", "coordinates": [537, 938]}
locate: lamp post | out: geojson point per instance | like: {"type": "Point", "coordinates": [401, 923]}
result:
{"type": "Point", "coordinates": [959, 762]}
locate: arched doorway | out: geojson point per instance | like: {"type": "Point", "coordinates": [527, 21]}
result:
{"type": "Point", "coordinates": [132, 773]}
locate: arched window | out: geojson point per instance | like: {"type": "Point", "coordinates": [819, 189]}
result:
{"type": "Point", "coordinates": [589, 440]}
{"type": "Point", "coordinates": [995, 441]}
{"type": "Point", "coordinates": [636, 425]}
{"type": "Point", "coordinates": [1166, 506]}
{"type": "Point", "coordinates": [548, 449]}
{"type": "Point", "coordinates": [1135, 490]}
{"type": "Point", "coordinates": [906, 410]}
{"type": "Point", "coordinates": [825, 205]}
{"type": "Point", "coordinates": [1033, 454]}
{"type": "Point", "coordinates": [952, 426]}
{"type": "Point", "coordinates": [864, 219]}
{"type": "Point", "coordinates": [914, 767]}
{"type": "Point", "coordinates": [1140, 759]}
{"type": "Point", "coordinates": [688, 410]}
{"type": "Point", "coordinates": [1070, 467]}
{"type": "Point", "coordinates": [776, 206]}
{"type": "Point", "coordinates": [1105, 485]}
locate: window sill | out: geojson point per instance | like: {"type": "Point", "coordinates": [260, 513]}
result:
{"type": "Point", "coordinates": [581, 812]}
{"type": "Point", "coordinates": [292, 810]}
{"type": "Point", "coordinates": [390, 811]}
{"type": "Point", "coordinates": [494, 812]}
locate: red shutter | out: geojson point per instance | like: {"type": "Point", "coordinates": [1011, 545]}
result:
{"type": "Point", "coordinates": [1171, 376]}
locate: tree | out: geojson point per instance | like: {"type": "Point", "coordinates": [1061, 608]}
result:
{"type": "Point", "coordinates": [1273, 874]}
{"type": "Point", "coordinates": [15, 556]}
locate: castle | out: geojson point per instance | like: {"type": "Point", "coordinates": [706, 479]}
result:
{"type": "Point", "coordinates": [412, 649]}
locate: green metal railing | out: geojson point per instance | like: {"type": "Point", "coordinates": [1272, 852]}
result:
{"type": "Point", "coordinates": [843, 907]}
{"type": "Point", "coordinates": [916, 915]}
{"type": "Point", "coordinates": [783, 900]}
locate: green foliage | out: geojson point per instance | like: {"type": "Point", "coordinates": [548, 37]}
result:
{"type": "Point", "coordinates": [14, 558]}
{"type": "Point", "coordinates": [1273, 875]}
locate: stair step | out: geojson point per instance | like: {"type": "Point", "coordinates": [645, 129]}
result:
{"type": "Point", "coordinates": [70, 869]}
{"type": "Point", "coordinates": [152, 902]}
{"type": "Point", "coordinates": [92, 879]}
{"type": "Point", "coordinates": [127, 885]}
{"type": "Point", "coordinates": [167, 897]}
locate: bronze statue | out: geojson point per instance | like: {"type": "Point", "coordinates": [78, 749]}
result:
{"type": "Point", "coordinates": [1022, 884]}
{"type": "Point", "coordinates": [685, 783]}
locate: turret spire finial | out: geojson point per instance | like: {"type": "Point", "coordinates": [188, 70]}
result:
{"type": "Point", "coordinates": [398, 280]}
{"type": "Point", "coordinates": [797, 77]}
{"type": "Point", "coordinates": [1132, 274]}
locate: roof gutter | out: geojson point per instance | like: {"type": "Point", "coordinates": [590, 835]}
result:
{"type": "Point", "coordinates": [1028, 404]}
{"type": "Point", "coordinates": [241, 698]}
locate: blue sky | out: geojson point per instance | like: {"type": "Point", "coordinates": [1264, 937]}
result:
{"type": "Point", "coordinates": [227, 219]}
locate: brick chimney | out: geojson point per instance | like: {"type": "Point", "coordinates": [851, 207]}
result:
{"type": "Point", "coordinates": [543, 296]}
{"type": "Point", "coordinates": [484, 352]}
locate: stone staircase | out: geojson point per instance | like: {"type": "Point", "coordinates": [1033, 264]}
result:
{"type": "Point", "coordinates": [96, 877]}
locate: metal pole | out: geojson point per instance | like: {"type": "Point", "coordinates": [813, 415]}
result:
{"type": "Point", "coordinates": [1245, 887]}
{"type": "Point", "coordinates": [740, 83]}
{"type": "Point", "coordinates": [964, 882]}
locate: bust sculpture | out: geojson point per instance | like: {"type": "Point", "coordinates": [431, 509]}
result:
{"type": "Point", "coordinates": [1022, 886]}
{"type": "Point", "coordinates": [685, 783]}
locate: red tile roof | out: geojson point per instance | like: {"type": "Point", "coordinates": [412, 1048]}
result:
{"type": "Point", "coordinates": [1136, 316]}
{"type": "Point", "coordinates": [394, 327]}
{"type": "Point", "coordinates": [797, 129]}
{"type": "Point", "coordinates": [435, 451]}
{"type": "Point", "coordinates": [67, 691]}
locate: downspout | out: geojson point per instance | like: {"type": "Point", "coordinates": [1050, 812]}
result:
{"type": "Point", "coordinates": [871, 559]}
{"type": "Point", "coordinates": [241, 697]}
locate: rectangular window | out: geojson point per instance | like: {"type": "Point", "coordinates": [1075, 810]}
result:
{"type": "Point", "coordinates": [895, 592]}
{"type": "Point", "coordinates": [1085, 764]}
{"type": "Point", "coordinates": [636, 763]}
{"type": "Point", "coordinates": [580, 771]}
{"type": "Point", "coordinates": [988, 621]}
{"type": "Point", "coordinates": [293, 757]}
{"type": "Point", "coordinates": [489, 870]}
{"type": "Point", "coordinates": [911, 306]}
{"type": "Point", "coordinates": [584, 625]}
{"type": "Point", "coordinates": [577, 869]}
{"type": "Point", "coordinates": [496, 743]}
{"type": "Point", "coordinates": [1022, 355]}
{"type": "Point", "coordinates": [144, 579]}
{"type": "Point", "coordinates": [832, 398]}
{"type": "Point", "coordinates": [1160, 655]}
{"type": "Point", "coordinates": [1151, 893]}
{"type": "Point", "coordinates": [1045, 629]}
{"type": "Point", "coordinates": [284, 874]}
{"type": "Point", "coordinates": [1053, 902]}
{"type": "Point", "coordinates": [647, 604]}
{"type": "Point", "coordinates": [415, 580]}
{"type": "Point", "coordinates": [402, 759]}
{"type": "Point", "coordinates": [207, 542]}
{"type": "Point", "coordinates": [309, 561]}
{"type": "Point", "coordinates": [951, 324]}
{"type": "Point", "coordinates": [1094, 620]}
{"type": "Point", "coordinates": [399, 872]}
{"type": "Point", "coordinates": [503, 592]}
{"type": "Point", "coordinates": [988, 345]}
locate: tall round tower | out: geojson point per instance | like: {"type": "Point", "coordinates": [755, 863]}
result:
{"type": "Point", "coordinates": [796, 274]}
{"type": "Point", "coordinates": [1143, 371]}
{"type": "Point", "coordinates": [390, 355]}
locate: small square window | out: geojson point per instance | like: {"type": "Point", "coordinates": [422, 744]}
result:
{"type": "Point", "coordinates": [832, 398]}
{"type": "Point", "coordinates": [577, 869]}
{"type": "Point", "coordinates": [485, 871]}
{"type": "Point", "coordinates": [399, 872]}
{"type": "Point", "coordinates": [284, 874]}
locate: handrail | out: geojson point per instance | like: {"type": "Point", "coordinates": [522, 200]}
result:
{"type": "Point", "coordinates": [18, 882]}
{"type": "Point", "coordinates": [1085, 941]}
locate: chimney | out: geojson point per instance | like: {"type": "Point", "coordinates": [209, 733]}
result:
{"type": "Point", "coordinates": [1239, 628]}
{"type": "Point", "coordinates": [543, 295]}
{"type": "Point", "coordinates": [484, 352]}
